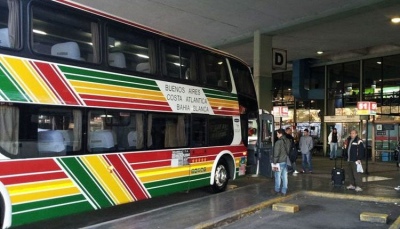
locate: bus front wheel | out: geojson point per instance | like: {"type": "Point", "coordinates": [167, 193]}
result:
{"type": "Point", "coordinates": [221, 177]}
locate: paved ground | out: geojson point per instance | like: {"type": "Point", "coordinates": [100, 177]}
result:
{"type": "Point", "coordinates": [249, 200]}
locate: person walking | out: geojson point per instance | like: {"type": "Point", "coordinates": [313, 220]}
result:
{"type": "Point", "coordinates": [333, 141]}
{"type": "Point", "coordinates": [354, 152]}
{"type": "Point", "coordinates": [293, 149]}
{"type": "Point", "coordinates": [281, 149]}
{"type": "Point", "coordinates": [306, 144]}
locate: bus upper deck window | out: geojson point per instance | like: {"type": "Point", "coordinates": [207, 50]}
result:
{"type": "Point", "coordinates": [62, 33]}
{"type": "Point", "coordinates": [9, 25]}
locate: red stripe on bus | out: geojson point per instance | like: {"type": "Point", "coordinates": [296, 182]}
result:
{"type": "Point", "coordinates": [61, 88]}
{"type": "Point", "coordinates": [127, 177]}
{"type": "Point", "coordinates": [27, 166]}
{"type": "Point", "coordinates": [151, 164]}
{"type": "Point", "coordinates": [124, 100]}
{"type": "Point", "coordinates": [27, 178]}
{"type": "Point", "coordinates": [114, 104]}
{"type": "Point", "coordinates": [148, 156]}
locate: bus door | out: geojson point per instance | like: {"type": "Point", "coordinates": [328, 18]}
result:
{"type": "Point", "coordinates": [264, 144]}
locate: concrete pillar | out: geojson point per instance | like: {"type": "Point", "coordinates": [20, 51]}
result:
{"type": "Point", "coordinates": [263, 70]}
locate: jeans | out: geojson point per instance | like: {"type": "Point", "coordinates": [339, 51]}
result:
{"type": "Point", "coordinates": [333, 149]}
{"type": "Point", "coordinates": [281, 175]}
{"type": "Point", "coordinates": [307, 160]}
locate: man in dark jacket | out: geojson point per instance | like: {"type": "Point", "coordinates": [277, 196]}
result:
{"type": "Point", "coordinates": [354, 152]}
{"type": "Point", "coordinates": [281, 150]}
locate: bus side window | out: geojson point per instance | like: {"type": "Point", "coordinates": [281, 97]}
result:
{"type": "Point", "coordinates": [9, 29]}
{"type": "Point", "coordinates": [132, 50]}
{"type": "Point", "coordinates": [70, 35]}
{"type": "Point", "coordinates": [214, 71]}
{"type": "Point", "coordinates": [178, 61]}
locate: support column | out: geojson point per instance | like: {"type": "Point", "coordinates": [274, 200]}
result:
{"type": "Point", "coordinates": [263, 70]}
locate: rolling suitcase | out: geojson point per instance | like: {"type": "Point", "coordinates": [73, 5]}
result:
{"type": "Point", "coordinates": [338, 174]}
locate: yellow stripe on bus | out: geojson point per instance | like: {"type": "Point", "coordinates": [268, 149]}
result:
{"type": "Point", "coordinates": [150, 175]}
{"type": "Point", "coordinates": [223, 103]}
{"type": "Point", "coordinates": [108, 180]}
{"type": "Point", "coordinates": [110, 90]}
{"type": "Point", "coordinates": [41, 190]}
{"type": "Point", "coordinates": [30, 81]}
{"type": "Point", "coordinates": [42, 195]}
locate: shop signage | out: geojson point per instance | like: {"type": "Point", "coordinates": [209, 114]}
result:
{"type": "Point", "coordinates": [280, 111]}
{"type": "Point", "coordinates": [342, 118]}
{"type": "Point", "coordinates": [366, 108]}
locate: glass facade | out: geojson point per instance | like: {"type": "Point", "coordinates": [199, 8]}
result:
{"type": "Point", "coordinates": [376, 79]}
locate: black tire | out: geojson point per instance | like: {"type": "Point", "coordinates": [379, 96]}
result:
{"type": "Point", "coordinates": [221, 177]}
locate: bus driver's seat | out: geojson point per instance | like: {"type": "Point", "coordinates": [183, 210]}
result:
{"type": "Point", "coordinates": [4, 39]}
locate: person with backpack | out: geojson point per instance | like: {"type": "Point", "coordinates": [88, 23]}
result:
{"type": "Point", "coordinates": [293, 150]}
{"type": "Point", "coordinates": [280, 156]}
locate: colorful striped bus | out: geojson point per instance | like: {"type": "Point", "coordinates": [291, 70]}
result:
{"type": "Point", "coordinates": [97, 111]}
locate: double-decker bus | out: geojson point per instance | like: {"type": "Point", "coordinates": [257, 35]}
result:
{"type": "Point", "coordinates": [97, 111]}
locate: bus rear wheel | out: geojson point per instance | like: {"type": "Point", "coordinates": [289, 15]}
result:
{"type": "Point", "coordinates": [221, 177]}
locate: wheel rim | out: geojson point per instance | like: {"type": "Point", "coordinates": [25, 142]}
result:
{"type": "Point", "coordinates": [220, 175]}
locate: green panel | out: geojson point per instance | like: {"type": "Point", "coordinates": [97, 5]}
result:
{"type": "Point", "coordinates": [172, 188]}
{"type": "Point", "coordinates": [86, 181]}
{"type": "Point", "coordinates": [108, 78]}
{"type": "Point", "coordinates": [10, 88]}
{"type": "Point", "coordinates": [46, 203]}
{"type": "Point", "coordinates": [201, 180]}
{"type": "Point", "coordinates": [47, 213]}
{"type": "Point", "coordinates": [166, 182]}
{"type": "Point", "coordinates": [220, 94]}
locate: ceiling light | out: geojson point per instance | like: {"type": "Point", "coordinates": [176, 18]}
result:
{"type": "Point", "coordinates": [320, 52]}
{"type": "Point", "coordinates": [379, 62]}
{"type": "Point", "coordinates": [396, 20]}
{"type": "Point", "coordinates": [143, 56]}
{"type": "Point", "coordinates": [39, 32]}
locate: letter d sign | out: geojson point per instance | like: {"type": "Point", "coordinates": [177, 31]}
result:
{"type": "Point", "coordinates": [279, 59]}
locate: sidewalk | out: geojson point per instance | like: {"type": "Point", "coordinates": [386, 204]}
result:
{"type": "Point", "coordinates": [234, 204]}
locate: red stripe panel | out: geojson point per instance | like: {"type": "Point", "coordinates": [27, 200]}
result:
{"type": "Point", "coordinates": [124, 100]}
{"type": "Point", "coordinates": [57, 83]}
{"type": "Point", "coordinates": [33, 178]}
{"type": "Point", "coordinates": [22, 167]}
{"type": "Point", "coordinates": [148, 156]}
{"type": "Point", "coordinates": [152, 164]}
{"type": "Point", "coordinates": [127, 177]}
{"type": "Point", "coordinates": [111, 102]}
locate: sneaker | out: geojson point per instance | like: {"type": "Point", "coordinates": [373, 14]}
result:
{"type": "Point", "coordinates": [397, 188]}
{"type": "Point", "coordinates": [358, 189]}
{"type": "Point", "coordinates": [296, 172]}
{"type": "Point", "coordinates": [350, 187]}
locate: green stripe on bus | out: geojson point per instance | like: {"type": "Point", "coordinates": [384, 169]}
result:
{"type": "Point", "coordinates": [47, 203]}
{"type": "Point", "coordinates": [10, 88]}
{"type": "Point", "coordinates": [200, 180]}
{"type": "Point", "coordinates": [108, 78]}
{"type": "Point", "coordinates": [51, 212]}
{"type": "Point", "coordinates": [86, 182]}
{"type": "Point", "coordinates": [219, 94]}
